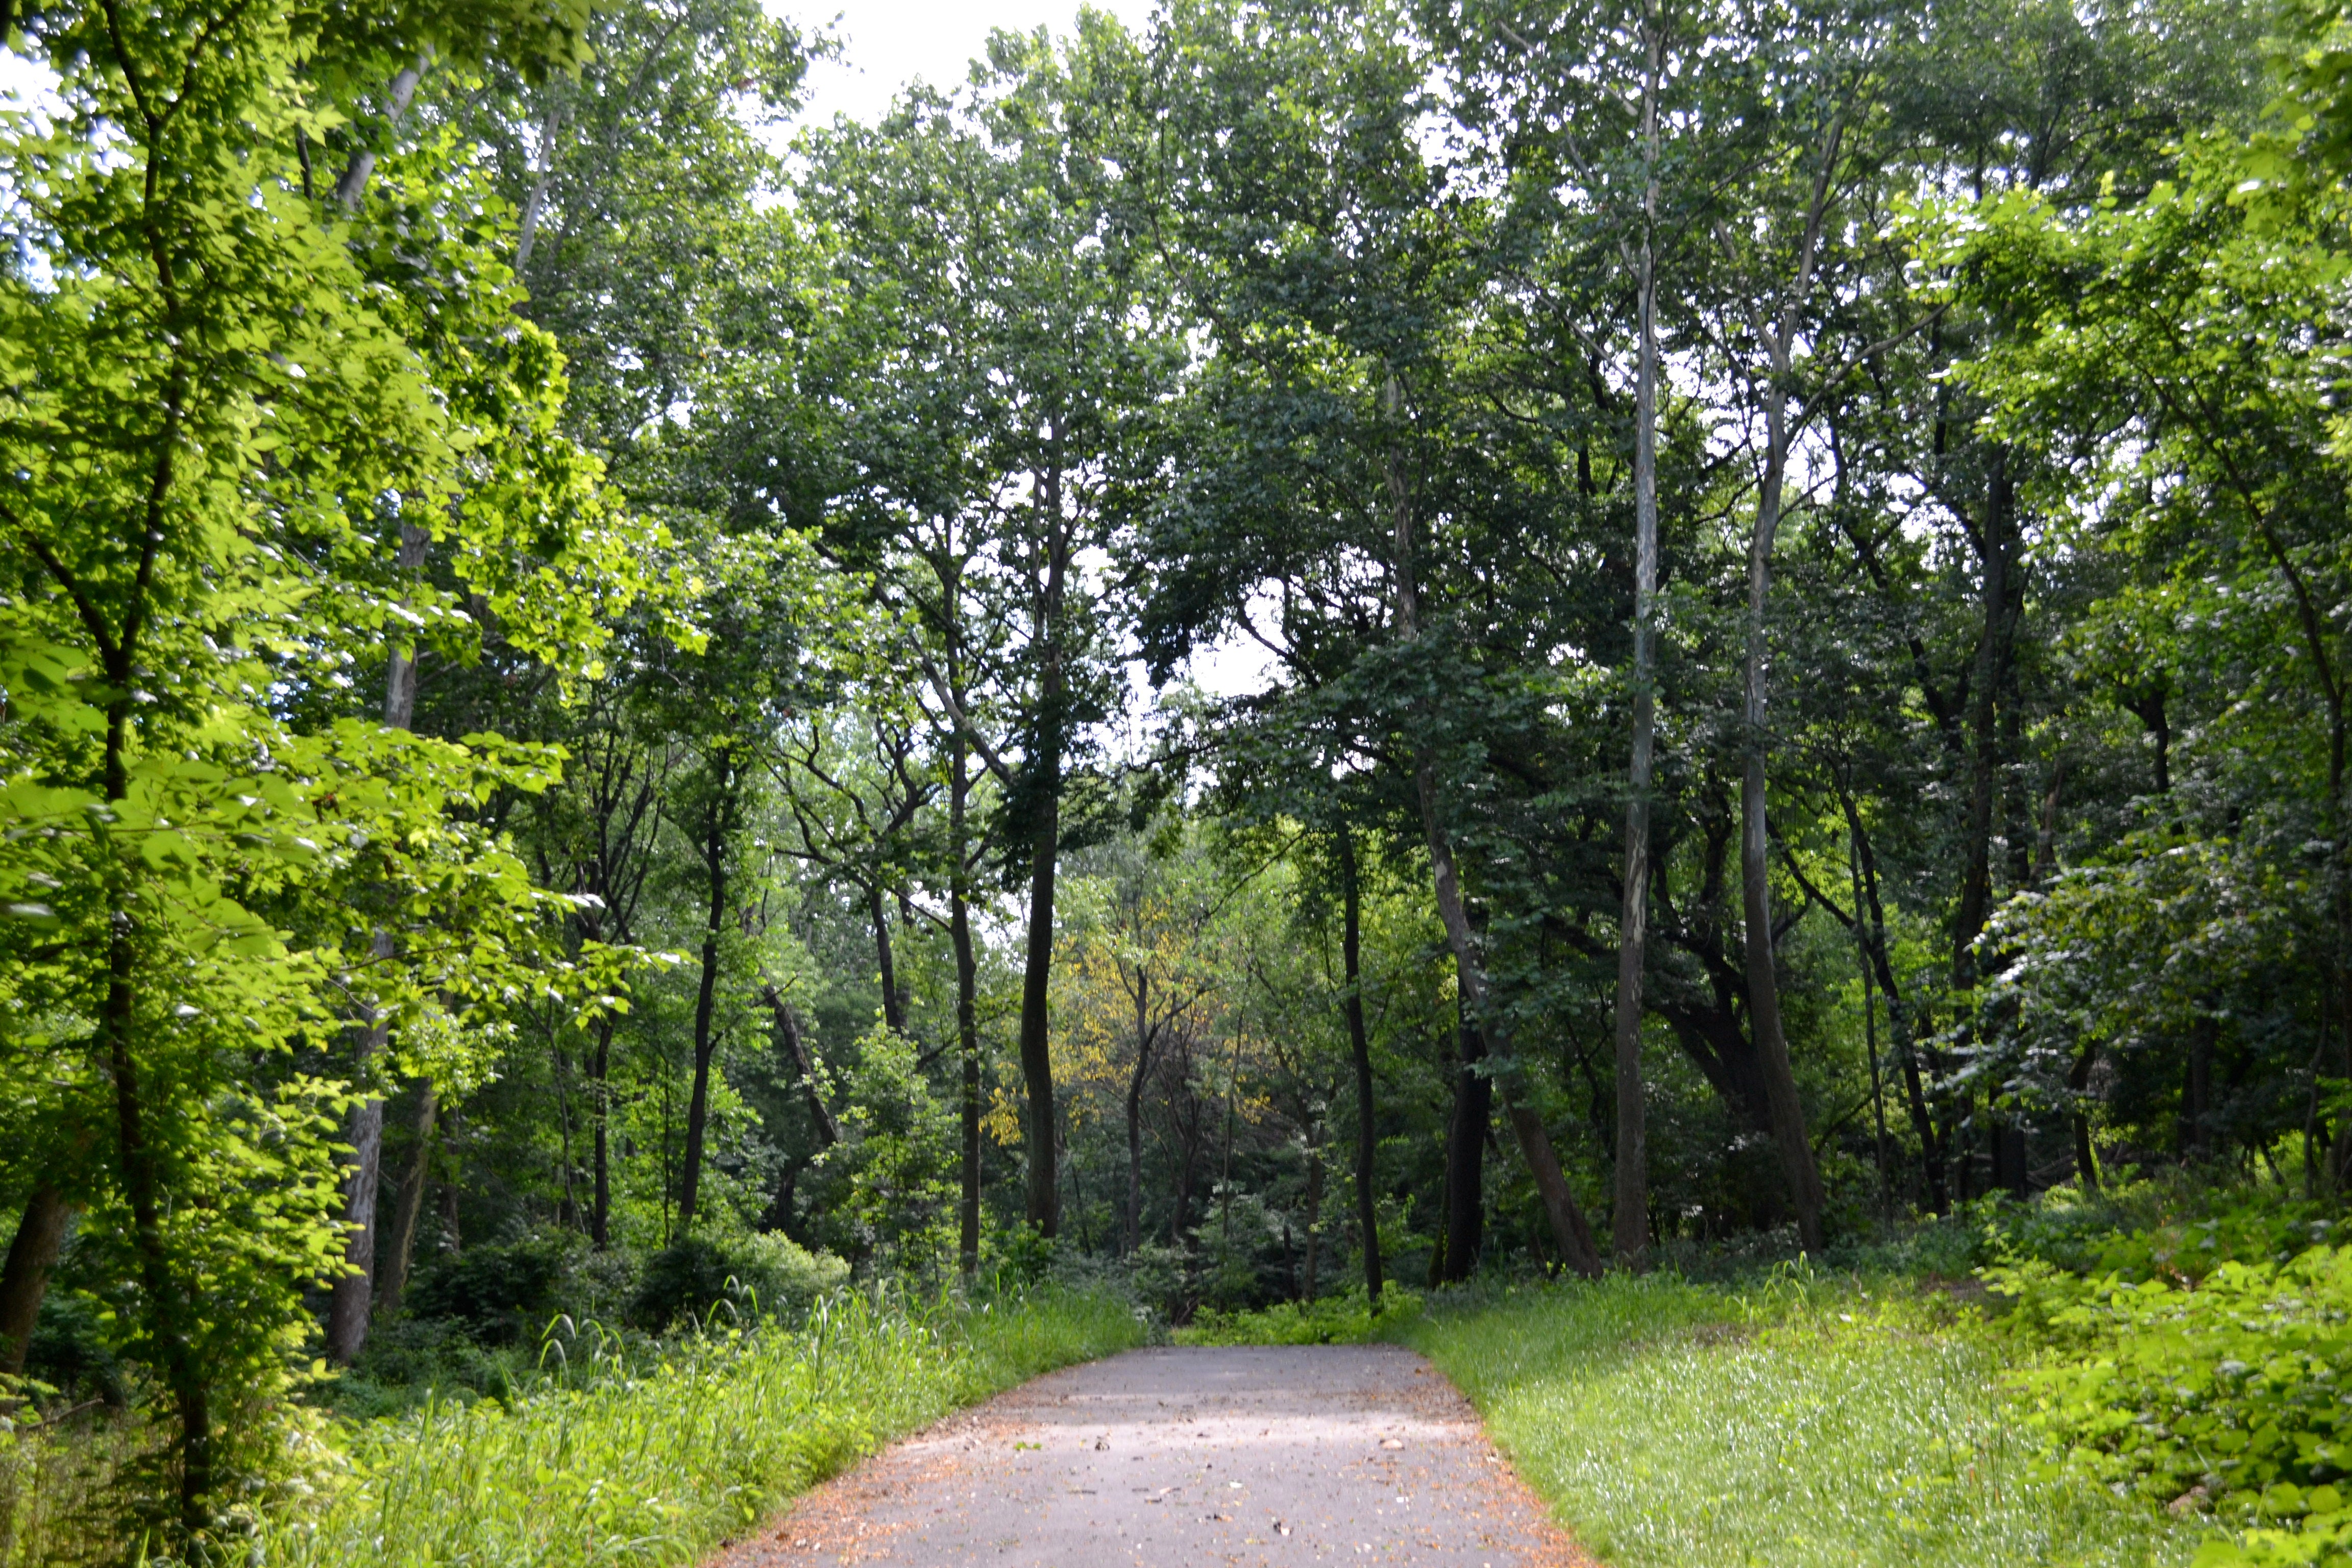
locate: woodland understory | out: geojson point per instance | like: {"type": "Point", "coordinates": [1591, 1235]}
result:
{"type": "Point", "coordinates": [1319, 647]}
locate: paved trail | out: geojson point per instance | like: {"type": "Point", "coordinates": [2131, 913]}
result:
{"type": "Point", "coordinates": [1167, 1458]}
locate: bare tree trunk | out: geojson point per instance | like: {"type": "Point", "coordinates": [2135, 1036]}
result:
{"type": "Point", "coordinates": [1786, 1109]}
{"type": "Point", "coordinates": [353, 184]}
{"type": "Point", "coordinates": [1569, 1231]}
{"type": "Point", "coordinates": [1314, 1207]}
{"type": "Point", "coordinates": [600, 1216]}
{"type": "Point", "coordinates": [350, 1298]}
{"type": "Point", "coordinates": [1465, 1157]}
{"type": "Point", "coordinates": [1134, 1230]}
{"type": "Point", "coordinates": [894, 1003]}
{"type": "Point", "coordinates": [411, 1211]}
{"type": "Point", "coordinates": [1756, 901]}
{"type": "Point", "coordinates": [966, 1006]}
{"type": "Point", "coordinates": [698, 1105]}
{"type": "Point", "coordinates": [1044, 1207]}
{"type": "Point", "coordinates": [26, 1279]}
{"type": "Point", "coordinates": [1631, 1223]}
{"type": "Point", "coordinates": [1870, 1036]}
{"type": "Point", "coordinates": [788, 1031]}
{"type": "Point", "coordinates": [535, 204]}
{"type": "Point", "coordinates": [1368, 1218]}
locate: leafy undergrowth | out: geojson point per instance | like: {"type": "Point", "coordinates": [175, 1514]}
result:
{"type": "Point", "coordinates": [1345, 1319]}
{"type": "Point", "coordinates": [2223, 1392]}
{"type": "Point", "coordinates": [655, 1463]}
{"type": "Point", "coordinates": [1801, 1423]}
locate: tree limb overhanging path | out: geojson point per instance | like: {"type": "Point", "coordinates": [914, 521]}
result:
{"type": "Point", "coordinates": [1315, 1454]}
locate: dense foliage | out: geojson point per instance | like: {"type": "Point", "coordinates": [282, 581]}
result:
{"type": "Point", "coordinates": [1324, 643]}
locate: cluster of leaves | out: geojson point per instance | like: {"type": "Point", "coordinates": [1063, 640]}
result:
{"type": "Point", "coordinates": [2226, 1392]}
{"type": "Point", "coordinates": [1349, 1318]}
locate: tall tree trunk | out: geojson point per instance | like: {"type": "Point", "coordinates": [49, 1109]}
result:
{"type": "Point", "coordinates": [1474, 1087]}
{"type": "Point", "coordinates": [788, 1033]}
{"type": "Point", "coordinates": [893, 1003]}
{"type": "Point", "coordinates": [600, 1216]}
{"type": "Point", "coordinates": [697, 1106]}
{"type": "Point", "coordinates": [1314, 1207]}
{"type": "Point", "coordinates": [1134, 1229]}
{"type": "Point", "coordinates": [1870, 1036]}
{"type": "Point", "coordinates": [1466, 1156]}
{"type": "Point", "coordinates": [350, 1298]}
{"type": "Point", "coordinates": [1788, 1110]}
{"type": "Point", "coordinates": [411, 1211]}
{"type": "Point", "coordinates": [26, 1278]}
{"type": "Point", "coordinates": [1367, 1218]}
{"type": "Point", "coordinates": [967, 1003]}
{"type": "Point", "coordinates": [1984, 768]}
{"type": "Point", "coordinates": [1043, 1191]}
{"type": "Point", "coordinates": [1900, 1017]}
{"type": "Point", "coordinates": [1630, 1227]}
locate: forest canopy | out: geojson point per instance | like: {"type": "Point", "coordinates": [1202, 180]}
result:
{"type": "Point", "coordinates": [604, 688]}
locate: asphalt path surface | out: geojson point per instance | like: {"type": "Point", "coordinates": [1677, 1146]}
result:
{"type": "Point", "coordinates": [1315, 1454]}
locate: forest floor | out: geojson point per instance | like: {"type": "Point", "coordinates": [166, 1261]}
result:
{"type": "Point", "coordinates": [1257, 1455]}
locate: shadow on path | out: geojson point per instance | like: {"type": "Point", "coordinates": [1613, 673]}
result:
{"type": "Point", "coordinates": [1275, 1456]}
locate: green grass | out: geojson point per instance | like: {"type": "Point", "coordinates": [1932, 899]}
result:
{"type": "Point", "coordinates": [1673, 1425]}
{"type": "Point", "coordinates": [656, 1465]}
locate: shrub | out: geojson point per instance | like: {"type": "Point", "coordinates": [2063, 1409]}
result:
{"type": "Point", "coordinates": [2225, 1394]}
{"type": "Point", "coordinates": [1346, 1319]}
{"type": "Point", "coordinates": [502, 1294]}
{"type": "Point", "coordinates": [766, 1274]}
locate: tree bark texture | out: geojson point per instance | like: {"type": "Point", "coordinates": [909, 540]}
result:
{"type": "Point", "coordinates": [1803, 1176]}
{"type": "Point", "coordinates": [1359, 1050]}
{"type": "Point", "coordinates": [697, 1106]}
{"type": "Point", "coordinates": [411, 1211]}
{"type": "Point", "coordinates": [25, 1281]}
{"type": "Point", "coordinates": [1044, 1205]}
{"type": "Point", "coordinates": [350, 1302]}
{"type": "Point", "coordinates": [1629, 1225]}
{"type": "Point", "coordinates": [966, 1006]}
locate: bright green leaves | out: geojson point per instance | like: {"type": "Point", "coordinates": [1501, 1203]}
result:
{"type": "Point", "coordinates": [2224, 1392]}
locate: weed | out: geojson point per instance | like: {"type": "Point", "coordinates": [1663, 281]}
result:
{"type": "Point", "coordinates": [1804, 1420]}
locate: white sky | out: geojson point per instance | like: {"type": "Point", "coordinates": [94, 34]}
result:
{"type": "Point", "coordinates": [888, 43]}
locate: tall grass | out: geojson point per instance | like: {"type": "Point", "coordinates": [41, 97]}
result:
{"type": "Point", "coordinates": [656, 1464]}
{"type": "Point", "coordinates": [1672, 1424]}
{"type": "Point", "coordinates": [618, 1453]}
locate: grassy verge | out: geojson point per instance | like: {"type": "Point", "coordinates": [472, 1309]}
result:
{"type": "Point", "coordinates": [1794, 1426]}
{"type": "Point", "coordinates": [656, 1464]}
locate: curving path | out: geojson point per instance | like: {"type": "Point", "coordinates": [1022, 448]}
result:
{"type": "Point", "coordinates": [1319, 1454]}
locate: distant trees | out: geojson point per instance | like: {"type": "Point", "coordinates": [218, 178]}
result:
{"type": "Point", "coordinates": [569, 680]}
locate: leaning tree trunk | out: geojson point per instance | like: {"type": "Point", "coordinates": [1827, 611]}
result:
{"type": "Point", "coordinates": [1474, 1086]}
{"type": "Point", "coordinates": [411, 1211]}
{"type": "Point", "coordinates": [26, 1279]}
